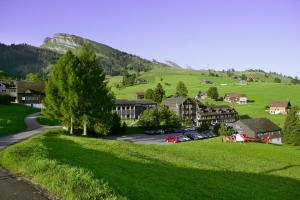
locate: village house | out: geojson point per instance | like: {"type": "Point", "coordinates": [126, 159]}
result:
{"type": "Point", "coordinates": [203, 95]}
{"type": "Point", "coordinates": [140, 95]}
{"type": "Point", "coordinates": [235, 98]}
{"type": "Point", "coordinates": [30, 93]}
{"type": "Point", "coordinates": [184, 107]}
{"type": "Point", "coordinates": [259, 128]}
{"type": "Point", "coordinates": [279, 107]}
{"type": "Point", "coordinates": [131, 109]}
{"type": "Point", "coordinates": [216, 114]}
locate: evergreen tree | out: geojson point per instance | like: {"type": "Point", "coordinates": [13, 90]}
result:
{"type": "Point", "coordinates": [149, 94]}
{"type": "Point", "coordinates": [181, 89]}
{"type": "Point", "coordinates": [32, 77]}
{"type": "Point", "coordinates": [291, 129]}
{"type": "Point", "coordinates": [213, 93]}
{"type": "Point", "coordinates": [95, 98]}
{"type": "Point", "coordinates": [159, 93]}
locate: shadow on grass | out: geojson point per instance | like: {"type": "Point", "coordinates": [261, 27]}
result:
{"type": "Point", "coordinates": [138, 176]}
{"type": "Point", "coordinates": [245, 117]}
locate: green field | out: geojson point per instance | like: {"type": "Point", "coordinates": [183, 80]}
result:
{"type": "Point", "coordinates": [88, 168]}
{"type": "Point", "coordinates": [12, 118]}
{"type": "Point", "coordinates": [261, 93]}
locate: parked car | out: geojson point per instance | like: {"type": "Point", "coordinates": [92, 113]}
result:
{"type": "Point", "coordinates": [172, 139]}
{"type": "Point", "coordinates": [150, 132]}
{"type": "Point", "coordinates": [187, 129]}
{"type": "Point", "coordinates": [183, 138]}
{"type": "Point", "coordinates": [194, 136]}
{"type": "Point", "coordinates": [160, 132]}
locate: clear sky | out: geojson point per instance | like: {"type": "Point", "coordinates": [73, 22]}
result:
{"type": "Point", "coordinates": [215, 34]}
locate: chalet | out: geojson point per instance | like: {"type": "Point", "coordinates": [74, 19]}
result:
{"type": "Point", "coordinates": [131, 109]}
{"type": "Point", "coordinates": [259, 128]}
{"type": "Point", "coordinates": [235, 98]}
{"type": "Point", "coordinates": [140, 95]}
{"type": "Point", "coordinates": [279, 107]}
{"type": "Point", "coordinates": [216, 114]}
{"type": "Point", "coordinates": [202, 95]}
{"type": "Point", "coordinates": [140, 81]}
{"type": "Point", "coordinates": [25, 92]}
{"type": "Point", "coordinates": [184, 107]}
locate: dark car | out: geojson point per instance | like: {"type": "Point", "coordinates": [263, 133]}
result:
{"type": "Point", "coordinates": [150, 132]}
{"type": "Point", "coordinates": [194, 136]}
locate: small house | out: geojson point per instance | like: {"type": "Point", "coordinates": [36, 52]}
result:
{"type": "Point", "coordinates": [279, 107]}
{"type": "Point", "coordinates": [235, 98]}
{"type": "Point", "coordinates": [259, 128]}
{"type": "Point", "coordinates": [140, 95]}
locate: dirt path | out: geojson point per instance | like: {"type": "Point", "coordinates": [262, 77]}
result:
{"type": "Point", "coordinates": [12, 187]}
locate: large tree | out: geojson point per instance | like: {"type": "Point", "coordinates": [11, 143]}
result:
{"type": "Point", "coordinates": [95, 97]}
{"type": "Point", "coordinates": [159, 93]}
{"type": "Point", "coordinates": [181, 89]}
{"type": "Point", "coordinates": [213, 93]}
{"type": "Point", "coordinates": [291, 129]}
{"type": "Point", "coordinates": [149, 94]}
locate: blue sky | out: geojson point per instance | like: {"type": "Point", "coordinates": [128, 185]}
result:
{"type": "Point", "coordinates": [215, 34]}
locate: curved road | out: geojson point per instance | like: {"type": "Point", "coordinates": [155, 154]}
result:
{"type": "Point", "coordinates": [12, 187]}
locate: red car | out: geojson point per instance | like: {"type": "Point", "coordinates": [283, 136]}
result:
{"type": "Point", "coordinates": [172, 139]}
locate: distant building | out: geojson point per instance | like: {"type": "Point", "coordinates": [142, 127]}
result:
{"type": "Point", "coordinates": [206, 82]}
{"type": "Point", "coordinates": [29, 93]}
{"type": "Point", "coordinates": [235, 98]}
{"type": "Point", "coordinates": [216, 114]}
{"type": "Point", "coordinates": [259, 128]}
{"type": "Point", "coordinates": [140, 95]}
{"type": "Point", "coordinates": [204, 95]}
{"type": "Point", "coordinates": [184, 107]}
{"type": "Point", "coordinates": [140, 81]}
{"type": "Point", "coordinates": [279, 107]}
{"type": "Point", "coordinates": [131, 109]}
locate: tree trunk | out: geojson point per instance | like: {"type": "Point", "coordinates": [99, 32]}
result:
{"type": "Point", "coordinates": [84, 128]}
{"type": "Point", "coordinates": [71, 128]}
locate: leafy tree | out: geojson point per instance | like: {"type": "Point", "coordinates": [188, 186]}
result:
{"type": "Point", "coordinates": [4, 75]}
{"type": "Point", "coordinates": [150, 118]}
{"type": "Point", "coordinates": [181, 89]}
{"type": "Point", "coordinates": [94, 96]}
{"type": "Point", "coordinates": [5, 99]}
{"type": "Point", "coordinates": [213, 93]}
{"type": "Point", "coordinates": [159, 93]}
{"type": "Point", "coordinates": [244, 77]}
{"type": "Point", "coordinates": [216, 129]}
{"type": "Point", "coordinates": [149, 94]}
{"type": "Point", "coordinates": [203, 127]}
{"type": "Point", "coordinates": [223, 130]}
{"type": "Point", "coordinates": [128, 79]}
{"type": "Point", "coordinates": [277, 80]}
{"type": "Point", "coordinates": [291, 129]}
{"type": "Point", "coordinates": [32, 77]}
{"type": "Point", "coordinates": [116, 126]}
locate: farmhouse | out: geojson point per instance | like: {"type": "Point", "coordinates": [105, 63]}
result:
{"type": "Point", "coordinates": [140, 95]}
{"type": "Point", "coordinates": [184, 107]}
{"type": "Point", "coordinates": [216, 114]}
{"type": "Point", "coordinates": [26, 92]}
{"type": "Point", "coordinates": [279, 107]}
{"type": "Point", "coordinates": [258, 128]}
{"type": "Point", "coordinates": [235, 98]}
{"type": "Point", "coordinates": [131, 109]}
{"type": "Point", "coordinates": [204, 95]}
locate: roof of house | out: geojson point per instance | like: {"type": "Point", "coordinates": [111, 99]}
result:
{"type": "Point", "coordinates": [35, 86]}
{"type": "Point", "coordinates": [133, 102]}
{"type": "Point", "coordinates": [140, 93]}
{"type": "Point", "coordinates": [284, 104]}
{"type": "Point", "coordinates": [173, 100]}
{"type": "Point", "coordinates": [260, 125]}
{"type": "Point", "coordinates": [8, 83]}
{"type": "Point", "coordinates": [235, 95]}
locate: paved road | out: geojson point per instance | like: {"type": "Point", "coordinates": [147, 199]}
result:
{"type": "Point", "coordinates": [14, 188]}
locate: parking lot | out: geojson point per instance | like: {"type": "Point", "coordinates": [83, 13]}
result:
{"type": "Point", "coordinates": [147, 139]}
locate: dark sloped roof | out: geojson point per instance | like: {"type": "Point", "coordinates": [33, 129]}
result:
{"type": "Point", "coordinates": [133, 102]}
{"type": "Point", "coordinates": [260, 125]}
{"type": "Point", "coordinates": [284, 104]}
{"type": "Point", "coordinates": [35, 86]}
{"type": "Point", "coordinates": [173, 100]}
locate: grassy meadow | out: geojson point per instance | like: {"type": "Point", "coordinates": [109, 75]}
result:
{"type": "Point", "coordinates": [12, 118]}
{"type": "Point", "coordinates": [87, 168]}
{"type": "Point", "coordinates": [260, 94]}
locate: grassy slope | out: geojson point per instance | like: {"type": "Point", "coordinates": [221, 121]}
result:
{"type": "Point", "coordinates": [205, 169]}
{"type": "Point", "coordinates": [12, 118]}
{"type": "Point", "coordinates": [262, 92]}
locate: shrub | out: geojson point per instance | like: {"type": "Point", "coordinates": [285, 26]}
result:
{"type": "Point", "coordinates": [5, 99]}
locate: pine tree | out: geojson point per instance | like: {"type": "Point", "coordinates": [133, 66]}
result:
{"type": "Point", "coordinates": [95, 98]}
{"type": "Point", "coordinates": [213, 93]}
{"type": "Point", "coordinates": [291, 129]}
{"type": "Point", "coordinates": [149, 94]}
{"type": "Point", "coordinates": [159, 93]}
{"type": "Point", "coordinates": [181, 89]}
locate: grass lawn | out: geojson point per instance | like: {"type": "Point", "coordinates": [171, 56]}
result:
{"type": "Point", "coordinates": [88, 168]}
{"type": "Point", "coordinates": [260, 93]}
{"type": "Point", "coordinates": [12, 118]}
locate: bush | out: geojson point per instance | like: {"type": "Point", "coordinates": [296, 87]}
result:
{"type": "Point", "coordinates": [213, 93]}
{"type": "Point", "coordinates": [203, 127]}
{"type": "Point", "coordinates": [5, 99]}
